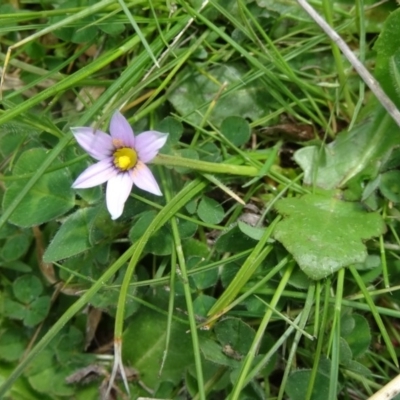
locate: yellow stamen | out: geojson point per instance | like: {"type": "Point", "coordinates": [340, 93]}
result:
{"type": "Point", "coordinates": [125, 158]}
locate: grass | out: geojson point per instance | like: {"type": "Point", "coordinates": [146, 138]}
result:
{"type": "Point", "coordinates": [217, 289]}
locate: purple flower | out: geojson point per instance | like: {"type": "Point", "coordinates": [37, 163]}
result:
{"type": "Point", "coordinates": [122, 161]}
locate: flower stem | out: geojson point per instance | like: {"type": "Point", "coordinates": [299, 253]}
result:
{"type": "Point", "coordinates": [205, 166]}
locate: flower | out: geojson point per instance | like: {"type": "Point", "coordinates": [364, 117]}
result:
{"type": "Point", "coordinates": [122, 159]}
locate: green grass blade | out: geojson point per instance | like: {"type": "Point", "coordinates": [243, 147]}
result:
{"type": "Point", "coordinates": [244, 274]}
{"type": "Point", "coordinates": [132, 253]}
{"type": "Point", "coordinates": [375, 313]}
{"type": "Point", "coordinates": [246, 364]}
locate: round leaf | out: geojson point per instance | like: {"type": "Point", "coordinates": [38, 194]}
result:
{"type": "Point", "coordinates": [193, 95]}
{"type": "Point", "coordinates": [37, 311]}
{"type": "Point", "coordinates": [359, 339]}
{"type": "Point", "coordinates": [345, 353]}
{"type": "Point", "coordinates": [235, 333]}
{"type": "Point", "coordinates": [236, 130]}
{"type": "Point", "coordinates": [160, 242]}
{"type": "Point", "coordinates": [390, 186]}
{"type": "Point", "coordinates": [234, 240]}
{"type": "Point", "coordinates": [12, 345]}
{"type": "Point", "coordinates": [144, 346]}
{"type": "Point", "coordinates": [297, 385]}
{"type": "Point", "coordinates": [15, 247]}
{"type": "Point", "coordinates": [49, 198]}
{"type": "Point", "coordinates": [73, 236]}
{"type": "Point", "coordinates": [186, 228]}
{"type": "Point", "coordinates": [202, 280]}
{"type": "Point", "coordinates": [52, 383]}
{"type": "Point", "coordinates": [210, 211]}
{"type": "Point", "coordinates": [113, 28]}
{"type": "Point", "coordinates": [202, 304]}
{"type": "Point", "coordinates": [325, 234]}
{"type": "Point", "coordinates": [173, 127]}
{"type": "Point", "coordinates": [27, 288]}
{"type": "Point", "coordinates": [13, 309]}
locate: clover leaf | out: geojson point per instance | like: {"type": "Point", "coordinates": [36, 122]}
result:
{"type": "Point", "coordinates": [324, 233]}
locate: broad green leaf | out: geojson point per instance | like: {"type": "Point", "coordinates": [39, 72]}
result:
{"type": "Point", "coordinates": [8, 230]}
{"type": "Point", "coordinates": [234, 240]}
{"type": "Point", "coordinates": [83, 31]}
{"type": "Point", "coordinates": [324, 233]}
{"type": "Point", "coordinates": [212, 351]}
{"type": "Point", "coordinates": [286, 8]}
{"type": "Point", "coordinates": [37, 311]}
{"type": "Point", "coordinates": [201, 280]}
{"type": "Point", "coordinates": [113, 27]}
{"type": "Point", "coordinates": [253, 232]}
{"type": "Point", "coordinates": [73, 236]}
{"type": "Point", "coordinates": [21, 389]}
{"type": "Point", "coordinates": [17, 266]}
{"type": "Point", "coordinates": [13, 135]}
{"type": "Point", "coordinates": [393, 160]}
{"type": "Point", "coordinates": [16, 246]}
{"type": "Point", "coordinates": [186, 228]}
{"type": "Point", "coordinates": [173, 127]}
{"type": "Point", "coordinates": [35, 50]}
{"type": "Point", "coordinates": [373, 261]}
{"type": "Point", "coordinates": [27, 288]}
{"type": "Point", "coordinates": [91, 195]}
{"type": "Point", "coordinates": [144, 343]}
{"type": "Point", "coordinates": [345, 353]}
{"type": "Point", "coordinates": [299, 279]}
{"type": "Point", "coordinates": [13, 309]}
{"type": "Point", "coordinates": [43, 361]}
{"type": "Point", "coordinates": [236, 130]}
{"type": "Point", "coordinates": [387, 47]}
{"type": "Point", "coordinates": [209, 151]}
{"type": "Point", "coordinates": [229, 272]}
{"type": "Point", "coordinates": [67, 344]}
{"type": "Point", "coordinates": [210, 211]}
{"type": "Point", "coordinates": [52, 382]}
{"type": "Point", "coordinates": [389, 185]}
{"type": "Point", "coordinates": [358, 368]}
{"type": "Point", "coordinates": [160, 242]}
{"type": "Point", "coordinates": [166, 390]}
{"type": "Point", "coordinates": [297, 384]}
{"type": "Point", "coordinates": [369, 192]}
{"type": "Point", "coordinates": [211, 369]}
{"type": "Point", "coordinates": [194, 247]}
{"type": "Point", "coordinates": [191, 206]}
{"type": "Point", "coordinates": [234, 333]}
{"type": "Point", "coordinates": [359, 338]}
{"type": "Point", "coordinates": [51, 196]}
{"type": "Point", "coordinates": [193, 95]}
{"type": "Point", "coordinates": [102, 228]}
{"type": "Point", "coordinates": [347, 324]}
{"type": "Point", "coordinates": [107, 299]}
{"type": "Point", "coordinates": [12, 344]}
{"type": "Point", "coordinates": [202, 304]}
{"type": "Point", "coordinates": [355, 153]}
{"type": "Point", "coordinates": [376, 15]}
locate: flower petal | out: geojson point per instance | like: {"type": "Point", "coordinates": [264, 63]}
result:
{"type": "Point", "coordinates": [121, 130]}
{"type": "Point", "coordinates": [144, 179]}
{"type": "Point", "coordinates": [96, 143]}
{"type": "Point", "coordinates": [96, 174]}
{"type": "Point", "coordinates": [118, 189]}
{"type": "Point", "coordinates": [148, 143]}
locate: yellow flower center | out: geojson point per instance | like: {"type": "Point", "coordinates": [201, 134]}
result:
{"type": "Point", "coordinates": [125, 158]}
